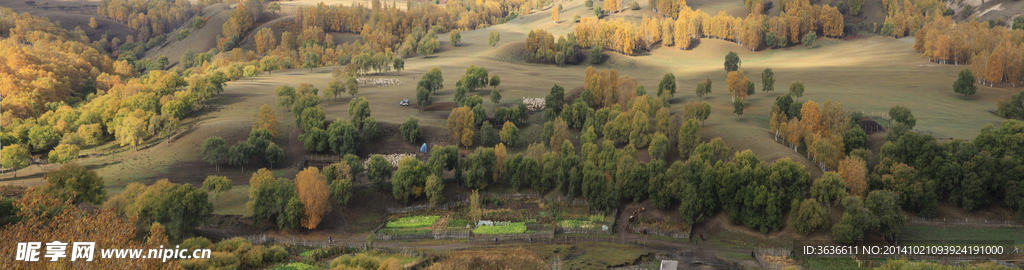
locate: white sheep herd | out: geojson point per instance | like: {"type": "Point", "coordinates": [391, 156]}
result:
{"type": "Point", "coordinates": [379, 82]}
{"type": "Point", "coordinates": [534, 104]}
{"type": "Point", "coordinates": [392, 158]}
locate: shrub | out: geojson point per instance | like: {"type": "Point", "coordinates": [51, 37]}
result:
{"type": "Point", "coordinates": [221, 260]}
{"type": "Point", "coordinates": [411, 130]}
{"type": "Point", "coordinates": [275, 254]}
{"type": "Point", "coordinates": [255, 257]}
{"type": "Point", "coordinates": [230, 245]}
{"type": "Point", "coordinates": [297, 266]}
{"type": "Point", "coordinates": [242, 250]}
{"type": "Point", "coordinates": [360, 260]}
{"type": "Point", "coordinates": [634, 6]}
{"type": "Point", "coordinates": [196, 243]}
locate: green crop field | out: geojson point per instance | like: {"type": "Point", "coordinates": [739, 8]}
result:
{"type": "Point", "coordinates": [514, 227]}
{"type": "Point", "coordinates": [413, 222]}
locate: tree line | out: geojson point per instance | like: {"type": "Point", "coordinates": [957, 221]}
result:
{"type": "Point", "coordinates": [799, 22]}
{"type": "Point", "coordinates": [149, 18]}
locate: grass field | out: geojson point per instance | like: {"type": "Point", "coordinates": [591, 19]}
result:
{"type": "Point", "coordinates": [954, 234]}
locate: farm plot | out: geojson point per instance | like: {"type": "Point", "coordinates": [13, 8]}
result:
{"type": "Point", "coordinates": [411, 225]}
{"type": "Point", "coordinates": [661, 227]}
{"type": "Point", "coordinates": [502, 228]}
{"type": "Point", "coordinates": [593, 222]}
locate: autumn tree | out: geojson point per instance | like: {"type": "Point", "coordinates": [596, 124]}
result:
{"type": "Point", "coordinates": [460, 125]}
{"type": "Point", "coordinates": [265, 40]}
{"type": "Point", "coordinates": [314, 192]}
{"type": "Point", "coordinates": [131, 131]}
{"type": "Point", "coordinates": [554, 14]}
{"type": "Point", "coordinates": [964, 83]}
{"type": "Point", "coordinates": [737, 85]}
{"type": "Point", "coordinates": [251, 72]}
{"type": "Point", "coordinates": [269, 64]}
{"type": "Point", "coordinates": [63, 153]}
{"type": "Point", "coordinates": [105, 226]}
{"type": "Point", "coordinates": [75, 182]}
{"type": "Point", "coordinates": [561, 133]}
{"type": "Point", "coordinates": [794, 133]}
{"type": "Point", "coordinates": [92, 23]}
{"type": "Point", "coordinates": [854, 173]}
{"type": "Point", "coordinates": [217, 186]}
{"type": "Point", "coordinates": [810, 118]}
{"type": "Point", "coordinates": [832, 21]}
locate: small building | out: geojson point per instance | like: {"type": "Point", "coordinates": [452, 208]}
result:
{"type": "Point", "coordinates": [669, 265]}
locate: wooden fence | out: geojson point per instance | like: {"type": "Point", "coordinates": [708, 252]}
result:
{"type": "Point", "coordinates": [540, 235]}
{"type": "Point", "coordinates": [610, 231]}
{"type": "Point", "coordinates": [270, 239]}
{"type": "Point", "coordinates": [965, 222]}
{"type": "Point", "coordinates": [402, 210]}
{"type": "Point", "coordinates": [392, 237]}
{"type": "Point", "coordinates": [447, 234]}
